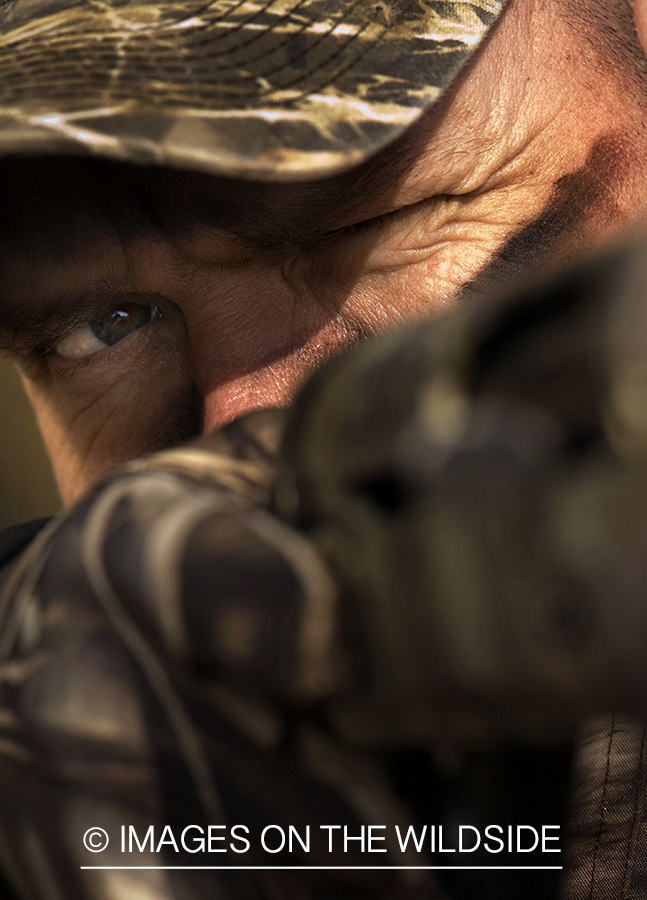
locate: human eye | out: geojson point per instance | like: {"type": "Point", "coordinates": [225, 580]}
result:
{"type": "Point", "coordinates": [106, 330]}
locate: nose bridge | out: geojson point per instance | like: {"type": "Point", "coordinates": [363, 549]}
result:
{"type": "Point", "coordinates": [272, 381]}
{"type": "Point", "coordinates": [240, 346]}
{"type": "Point", "coordinates": [272, 385]}
{"type": "Point", "coordinates": [253, 335]}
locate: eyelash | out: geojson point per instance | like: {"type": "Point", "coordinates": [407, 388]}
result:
{"type": "Point", "coordinates": [39, 352]}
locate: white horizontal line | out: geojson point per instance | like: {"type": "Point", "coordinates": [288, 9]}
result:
{"type": "Point", "coordinates": [337, 868]}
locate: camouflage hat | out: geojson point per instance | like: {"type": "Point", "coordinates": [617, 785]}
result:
{"type": "Point", "coordinates": [259, 88]}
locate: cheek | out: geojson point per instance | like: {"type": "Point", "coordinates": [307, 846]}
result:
{"type": "Point", "coordinates": [143, 408]}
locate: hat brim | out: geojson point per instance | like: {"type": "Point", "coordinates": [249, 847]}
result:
{"type": "Point", "coordinates": [271, 89]}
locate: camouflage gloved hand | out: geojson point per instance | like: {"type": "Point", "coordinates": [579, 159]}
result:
{"type": "Point", "coordinates": [479, 485]}
{"type": "Point", "coordinates": [165, 649]}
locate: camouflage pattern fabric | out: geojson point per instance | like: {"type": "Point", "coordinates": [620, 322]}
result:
{"type": "Point", "coordinates": [607, 853]}
{"type": "Point", "coordinates": [280, 89]}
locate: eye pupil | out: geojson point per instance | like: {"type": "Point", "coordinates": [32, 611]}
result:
{"type": "Point", "coordinates": [118, 323]}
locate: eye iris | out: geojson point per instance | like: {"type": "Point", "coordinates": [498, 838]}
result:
{"type": "Point", "coordinates": [119, 323]}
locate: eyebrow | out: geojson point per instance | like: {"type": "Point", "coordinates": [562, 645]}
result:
{"type": "Point", "coordinates": [272, 215]}
{"type": "Point", "coordinates": [51, 207]}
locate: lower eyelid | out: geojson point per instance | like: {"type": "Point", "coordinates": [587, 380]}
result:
{"type": "Point", "coordinates": [98, 372]}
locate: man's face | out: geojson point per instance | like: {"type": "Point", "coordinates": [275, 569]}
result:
{"type": "Point", "coordinates": [146, 306]}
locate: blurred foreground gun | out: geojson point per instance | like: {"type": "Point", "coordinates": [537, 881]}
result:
{"type": "Point", "coordinates": [479, 484]}
{"type": "Point", "coordinates": [479, 487]}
